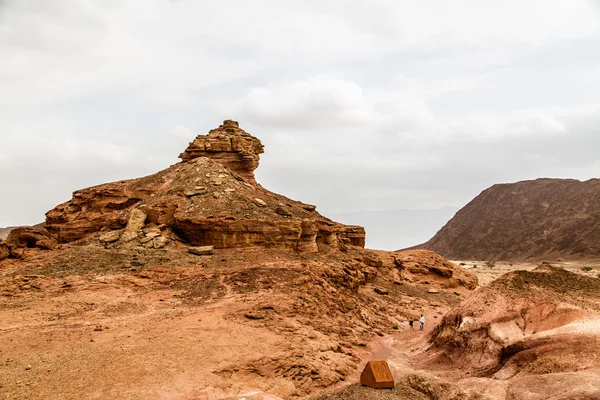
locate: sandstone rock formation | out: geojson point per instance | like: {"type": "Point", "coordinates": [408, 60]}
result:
{"type": "Point", "coordinates": [26, 237]}
{"type": "Point", "coordinates": [187, 276]}
{"type": "Point", "coordinates": [523, 323]}
{"type": "Point", "coordinates": [4, 251]}
{"type": "Point", "coordinates": [206, 200]}
{"type": "Point", "coordinates": [424, 266]}
{"type": "Point", "coordinates": [230, 146]}
{"type": "Point", "coordinates": [539, 219]}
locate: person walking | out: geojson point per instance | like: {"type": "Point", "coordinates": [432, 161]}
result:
{"type": "Point", "coordinates": [422, 321]}
{"type": "Point", "coordinates": [410, 323]}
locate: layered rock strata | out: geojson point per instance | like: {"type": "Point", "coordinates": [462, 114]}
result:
{"type": "Point", "coordinates": [229, 145]}
{"type": "Point", "coordinates": [203, 202]}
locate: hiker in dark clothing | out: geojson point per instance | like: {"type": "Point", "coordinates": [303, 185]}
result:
{"type": "Point", "coordinates": [410, 323]}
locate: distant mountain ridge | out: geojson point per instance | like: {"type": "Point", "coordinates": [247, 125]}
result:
{"type": "Point", "coordinates": [537, 219]}
{"type": "Point", "coordinates": [5, 231]}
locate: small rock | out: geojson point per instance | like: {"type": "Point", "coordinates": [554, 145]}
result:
{"type": "Point", "coordinates": [381, 291]}
{"type": "Point", "coordinates": [254, 315]}
{"type": "Point", "coordinates": [217, 182]}
{"type": "Point", "coordinates": [237, 177]}
{"type": "Point", "coordinates": [196, 191]}
{"type": "Point", "coordinates": [98, 329]}
{"type": "Point", "coordinates": [229, 190]}
{"type": "Point", "coordinates": [110, 237]}
{"type": "Point", "coordinates": [222, 176]}
{"type": "Point", "coordinates": [309, 207]}
{"type": "Point", "coordinates": [145, 240]}
{"type": "Point", "coordinates": [433, 291]}
{"type": "Point", "coordinates": [201, 250]}
{"type": "Point", "coordinates": [160, 242]}
{"type": "Point", "coordinates": [282, 211]}
{"type": "Point", "coordinates": [260, 202]}
{"type": "Point", "coordinates": [27, 368]}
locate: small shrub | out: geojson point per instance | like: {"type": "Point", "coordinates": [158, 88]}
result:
{"type": "Point", "coordinates": [586, 269]}
{"type": "Point", "coordinates": [395, 327]}
{"type": "Point", "coordinates": [462, 264]}
{"type": "Point", "coordinates": [490, 264]}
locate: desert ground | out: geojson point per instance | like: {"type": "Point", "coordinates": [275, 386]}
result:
{"type": "Point", "coordinates": [89, 322]}
{"type": "Point", "coordinates": [245, 323]}
{"type": "Point", "coordinates": [487, 271]}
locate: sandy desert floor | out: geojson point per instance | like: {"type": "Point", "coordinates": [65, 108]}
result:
{"type": "Point", "coordinates": [487, 273]}
{"type": "Point", "coordinates": [139, 332]}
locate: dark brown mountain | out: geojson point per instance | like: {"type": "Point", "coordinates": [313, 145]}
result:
{"type": "Point", "coordinates": [539, 219]}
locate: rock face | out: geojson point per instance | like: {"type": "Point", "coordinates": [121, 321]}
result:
{"type": "Point", "coordinates": [4, 252]}
{"type": "Point", "coordinates": [230, 146]}
{"type": "Point", "coordinates": [524, 323]}
{"type": "Point", "coordinates": [540, 219]}
{"type": "Point", "coordinates": [30, 237]}
{"type": "Point", "coordinates": [420, 266]}
{"type": "Point", "coordinates": [203, 202]}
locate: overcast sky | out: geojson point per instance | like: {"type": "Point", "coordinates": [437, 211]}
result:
{"type": "Point", "coordinates": [363, 106]}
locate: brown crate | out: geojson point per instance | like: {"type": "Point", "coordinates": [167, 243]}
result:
{"type": "Point", "coordinates": [377, 375]}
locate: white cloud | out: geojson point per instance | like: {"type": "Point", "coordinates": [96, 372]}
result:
{"type": "Point", "coordinates": [388, 103]}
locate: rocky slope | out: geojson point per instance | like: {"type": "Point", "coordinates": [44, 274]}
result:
{"type": "Point", "coordinates": [528, 335]}
{"type": "Point", "coordinates": [540, 219]}
{"type": "Point", "coordinates": [197, 283]}
{"type": "Point", "coordinates": [201, 201]}
{"type": "Point", "coordinates": [525, 323]}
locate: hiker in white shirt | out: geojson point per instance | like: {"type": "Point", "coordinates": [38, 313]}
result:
{"type": "Point", "coordinates": [422, 321]}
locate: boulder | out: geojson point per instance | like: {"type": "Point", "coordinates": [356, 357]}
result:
{"type": "Point", "coordinates": [110, 237]}
{"type": "Point", "coordinates": [46, 244]}
{"type": "Point", "coordinates": [26, 237]}
{"type": "Point", "coordinates": [4, 252]}
{"type": "Point", "coordinates": [196, 191]}
{"type": "Point", "coordinates": [160, 242]}
{"type": "Point", "coordinates": [135, 223]}
{"type": "Point", "coordinates": [201, 250]}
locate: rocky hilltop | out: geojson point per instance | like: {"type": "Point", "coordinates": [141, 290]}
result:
{"type": "Point", "coordinates": [196, 282]}
{"type": "Point", "coordinates": [538, 219]}
{"type": "Point", "coordinates": [209, 199]}
{"type": "Point", "coordinates": [229, 145]}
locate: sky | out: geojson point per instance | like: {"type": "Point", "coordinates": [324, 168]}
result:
{"type": "Point", "coordinates": [389, 113]}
